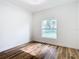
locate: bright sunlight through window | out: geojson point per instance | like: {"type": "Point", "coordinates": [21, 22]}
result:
{"type": "Point", "coordinates": [49, 28]}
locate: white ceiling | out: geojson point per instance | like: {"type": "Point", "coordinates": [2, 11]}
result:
{"type": "Point", "coordinates": [46, 5]}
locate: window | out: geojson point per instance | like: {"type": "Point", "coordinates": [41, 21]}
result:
{"type": "Point", "coordinates": [49, 28]}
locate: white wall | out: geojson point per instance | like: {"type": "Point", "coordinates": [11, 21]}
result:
{"type": "Point", "coordinates": [78, 24]}
{"type": "Point", "coordinates": [66, 16]}
{"type": "Point", "coordinates": [14, 25]}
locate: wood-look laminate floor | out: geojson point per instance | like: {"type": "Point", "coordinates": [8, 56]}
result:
{"type": "Point", "coordinates": [40, 51]}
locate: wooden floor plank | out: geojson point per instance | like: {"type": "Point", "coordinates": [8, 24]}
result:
{"type": "Point", "coordinates": [39, 51]}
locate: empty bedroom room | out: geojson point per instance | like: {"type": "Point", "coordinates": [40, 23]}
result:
{"type": "Point", "coordinates": [39, 29]}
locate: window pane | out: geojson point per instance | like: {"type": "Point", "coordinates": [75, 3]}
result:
{"type": "Point", "coordinates": [49, 29]}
